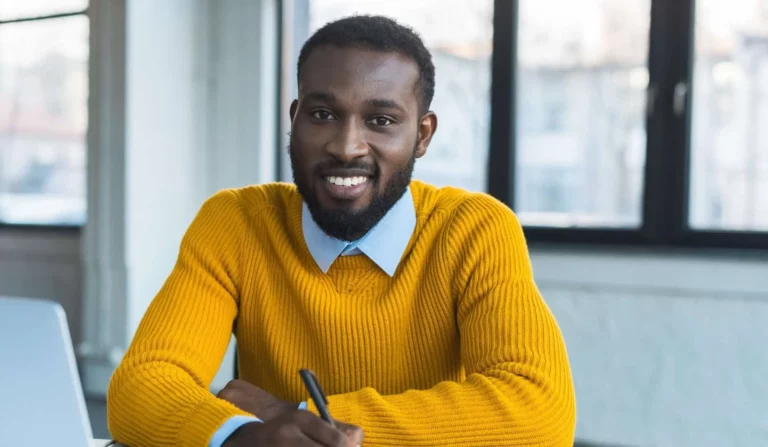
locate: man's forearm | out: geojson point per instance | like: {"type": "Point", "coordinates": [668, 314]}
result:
{"type": "Point", "coordinates": [497, 408]}
{"type": "Point", "coordinates": [157, 404]}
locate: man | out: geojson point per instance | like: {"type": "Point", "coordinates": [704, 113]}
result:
{"type": "Point", "coordinates": [415, 306]}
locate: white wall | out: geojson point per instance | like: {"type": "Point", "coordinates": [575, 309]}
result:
{"type": "Point", "coordinates": [182, 104]}
{"type": "Point", "coordinates": [165, 173]}
{"type": "Point", "coordinates": [197, 114]}
{"type": "Point", "coordinates": [666, 350]}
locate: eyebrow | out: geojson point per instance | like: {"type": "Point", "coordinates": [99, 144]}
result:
{"type": "Point", "coordinates": [320, 96]}
{"type": "Point", "coordinates": [378, 103]}
{"type": "Point", "coordinates": [386, 104]}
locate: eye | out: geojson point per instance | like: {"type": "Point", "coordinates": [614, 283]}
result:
{"type": "Point", "coordinates": [323, 115]}
{"type": "Point", "coordinates": [381, 121]}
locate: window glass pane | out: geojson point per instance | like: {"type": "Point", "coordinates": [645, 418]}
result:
{"type": "Point", "coordinates": [729, 141]}
{"type": "Point", "coordinates": [459, 34]}
{"type": "Point", "coordinates": [14, 9]}
{"type": "Point", "coordinates": [43, 95]}
{"type": "Point", "coordinates": [582, 78]}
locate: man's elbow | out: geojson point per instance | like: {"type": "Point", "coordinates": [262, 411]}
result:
{"type": "Point", "coordinates": [546, 417]}
{"type": "Point", "coordinates": [556, 425]}
{"type": "Point", "coordinates": [127, 400]}
{"type": "Point", "coordinates": [562, 430]}
{"type": "Point", "coordinates": [115, 411]}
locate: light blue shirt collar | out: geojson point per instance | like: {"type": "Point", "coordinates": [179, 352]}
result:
{"type": "Point", "coordinates": [384, 244]}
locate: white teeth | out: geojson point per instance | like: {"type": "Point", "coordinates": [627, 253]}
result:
{"type": "Point", "coordinates": [347, 181]}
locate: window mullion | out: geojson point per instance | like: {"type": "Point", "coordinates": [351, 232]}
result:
{"type": "Point", "coordinates": [501, 156]}
{"type": "Point", "coordinates": [666, 174]}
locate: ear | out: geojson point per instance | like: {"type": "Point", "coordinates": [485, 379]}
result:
{"type": "Point", "coordinates": [294, 106]}
{"type": "Point", "coordinates": [427, 129]}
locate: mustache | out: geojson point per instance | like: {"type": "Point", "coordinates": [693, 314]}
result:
{"type": "Point", "coordinates": [354, 166]}
{"type": "Point", "coordinates": [333, 165]}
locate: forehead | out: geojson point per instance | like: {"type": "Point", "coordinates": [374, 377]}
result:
{"type": "Point", "coordinates": [359, 74]}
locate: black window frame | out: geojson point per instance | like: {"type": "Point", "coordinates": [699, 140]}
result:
{"type": "Point", "coordinates": [665, 201]}
{"type": "Point", "coordinates": [56, 227]}
{"type": "Point", "coordinates": [665, 210]}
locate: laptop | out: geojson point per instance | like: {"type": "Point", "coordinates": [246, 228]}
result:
{"type": "Point", "coordinates": [41, 397]}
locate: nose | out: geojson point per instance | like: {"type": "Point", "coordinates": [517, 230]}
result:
{"type": "Point", "coordinates": [349, 143]}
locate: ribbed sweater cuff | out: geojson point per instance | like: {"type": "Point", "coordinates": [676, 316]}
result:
{"type": "Point", "coordinates": [343, 408]}
{"type": "Point", "coordinates": [204, 420]}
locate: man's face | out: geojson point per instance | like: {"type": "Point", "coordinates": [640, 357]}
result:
{"type": "Point", "coordinates": [356, 133]}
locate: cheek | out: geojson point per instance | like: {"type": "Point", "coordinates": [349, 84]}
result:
{"type": "Point", "coordinates": [310, 141]}
{"type": "Point", "coordinates": [397, 152]}
{"type": "Point", "coordinates": [393, 163]}
{"type": "Point", "coordinates": [395, 148]}
{"type": "Point", "coordinates": [304, 150]}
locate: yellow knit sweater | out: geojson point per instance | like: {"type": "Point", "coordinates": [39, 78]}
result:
{"type": "Point", "coordinates": [457, 349]}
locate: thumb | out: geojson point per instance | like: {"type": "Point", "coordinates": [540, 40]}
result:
{"type": "Point", "coordinates": [354, 434]}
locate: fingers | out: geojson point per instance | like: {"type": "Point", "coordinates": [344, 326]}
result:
{"type": "Point", "coordinates": [240, 386]}
{"type": "Point", "coordinates": [293, 434]}
{"type": "Point", "coordinates": [355, 435]}
{"type": "Point", "coordinates": [255, 400]}
{"type": "Point", "coordinates": [303, 440]}
{"type": "Point", "coordinates": [231, 391]}
{"type": "Point", "coordinates": [243, 395]}
{"type": "Point", "coordinates": [234, 384]}
{"type": "Point", "coordinates": [320, 431]}
{"type": "Point", "coordinates": [353, 432]}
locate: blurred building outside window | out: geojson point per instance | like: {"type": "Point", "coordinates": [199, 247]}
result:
{"type": "Point", "coordinates": [43, 112]}
{"type": "Point", "coordinates": [581, 140]}
{"type": "Point", "coordinates": [729, 131]}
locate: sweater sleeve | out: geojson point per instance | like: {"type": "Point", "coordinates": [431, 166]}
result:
{"type": "Point", "coordinates": [518, 390]}
{"type": "Point", "coordinates": [159, 395]}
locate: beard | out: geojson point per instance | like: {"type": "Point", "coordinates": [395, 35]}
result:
{"type": "Point", "coordinates": [347, 224]}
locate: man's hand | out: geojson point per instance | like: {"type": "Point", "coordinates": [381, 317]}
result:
{"type": "Point", "coordinates": [296, 429]}
{"type": "Point", "coordinates": [250, 398]}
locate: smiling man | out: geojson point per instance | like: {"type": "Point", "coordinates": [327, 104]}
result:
{"type": "Point", "coordinates": [414, 305]}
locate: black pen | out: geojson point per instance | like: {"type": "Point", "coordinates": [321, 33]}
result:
{"type": "Point", "coordinates": [317, 394]}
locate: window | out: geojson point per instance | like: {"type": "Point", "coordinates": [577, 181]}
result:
{"type": "Point", "coordinates": [43, 115]}
{"type": "Point", "coordinates": [581, 77]}
{"type": "Point", "coordinates": [729, 151]}
{"type": "Point", "coordinates": [599, 121]}
{"type": "Point", "coordinates": [459, 35]}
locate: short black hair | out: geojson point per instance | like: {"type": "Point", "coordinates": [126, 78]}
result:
{"type": "Point", "coordinates": [378, 33]}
